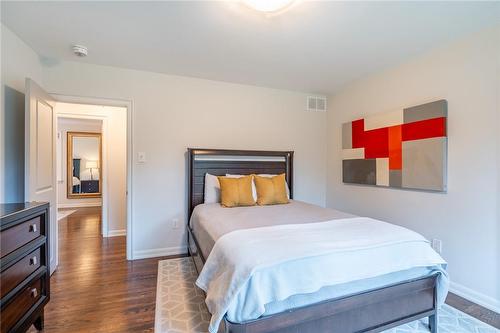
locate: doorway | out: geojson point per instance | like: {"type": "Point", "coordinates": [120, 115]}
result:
{"type": "Point", "coordinates": [92, 165]}
{"type": "Point", "coordinates": [41, 179]}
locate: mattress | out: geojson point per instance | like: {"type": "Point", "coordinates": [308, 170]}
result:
{"type": "Point", "coordinates": [211, 221]}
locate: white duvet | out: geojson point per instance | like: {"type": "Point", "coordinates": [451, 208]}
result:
{"type": "Point", "coordinates": [250, 268]}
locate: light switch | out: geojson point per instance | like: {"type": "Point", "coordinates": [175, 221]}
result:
{"type": "Point", "coordinates": [141, 157]}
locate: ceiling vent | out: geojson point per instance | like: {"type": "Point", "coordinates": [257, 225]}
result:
{"type": "Point", "coordinates": [316, 103]}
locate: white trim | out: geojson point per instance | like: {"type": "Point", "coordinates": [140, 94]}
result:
{"type": "Point", "coordinates": [475, 297]}
{"type": "Point", "coordinates": [128, 104]}
{"type": "Point", "coordinates": [79, 205]}
{"type": "Point", "coordinates": [114, 233]}
{"type": "Point", "coordinates": [161, 252]}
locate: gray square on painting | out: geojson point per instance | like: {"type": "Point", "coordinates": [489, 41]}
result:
{"type": "Point", "coordinates": [395, 177]}
{"type": "Point", "coordinates": [424, 164]}
{"type": "Point", "coordinates": [347, 135]}
{"type": "Point", "coordinates": [431, 110]}
{"type": "Point", "coordinates": [360, 171]}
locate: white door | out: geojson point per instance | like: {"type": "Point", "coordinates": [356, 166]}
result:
{"type": "Point", "coordinates": [40, 159]}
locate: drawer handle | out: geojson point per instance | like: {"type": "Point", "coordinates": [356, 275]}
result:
{"type": "Point", "coordinates": [33, 228]}
{"type": "Point", "coordinates": [33, 261]}
{"type": "Point", "coordinates": [34, 293]}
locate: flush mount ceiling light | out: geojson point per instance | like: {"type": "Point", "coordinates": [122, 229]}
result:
{"type": "Point", "coordinates": [80, 50]}
{"type": "Point", "coordinates": [269, 6]}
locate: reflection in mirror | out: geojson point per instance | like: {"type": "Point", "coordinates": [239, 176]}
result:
{"type": "Point", "coordinates": [84, 165]}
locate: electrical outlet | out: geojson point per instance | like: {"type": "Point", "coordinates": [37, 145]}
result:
{"type": "Point", "coordinates": [175, 223]}
{"type": "Point", "coordinates": [437, 245]}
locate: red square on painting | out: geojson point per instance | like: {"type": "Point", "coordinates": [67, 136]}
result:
{"type": "Point", "coordinates": [358, 133]}
{"type": "Point", "coordinates": [377, 143]}
{"type": "Point", "coordinates": [424, 129]}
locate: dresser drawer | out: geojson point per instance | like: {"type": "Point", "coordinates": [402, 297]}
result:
{"type": "Point", "coordinates": [21, 304]}
{"type": "Point", "coordinates": [15, 237]}
{"type": "Point", "coordinates": [16, 273]}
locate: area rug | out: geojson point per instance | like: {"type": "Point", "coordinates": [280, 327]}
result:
{"type": "Point", "coordinates": [180, 306]}
{"type": "Point", "coordinates": [64, 213]}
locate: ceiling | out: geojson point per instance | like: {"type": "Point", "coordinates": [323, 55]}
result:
{"type": "Point", "coordinates": [313, 47]}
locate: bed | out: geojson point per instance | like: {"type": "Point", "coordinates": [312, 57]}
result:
{"type": "Point", "coordinates": [361, 306]}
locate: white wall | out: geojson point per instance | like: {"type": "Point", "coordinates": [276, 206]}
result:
{"type": "Point", "coordinates": [18, 62]}
{"type": "Point", "coordinates": [173, 113]}
{"type": "Point", "coordinates": [114, 159]}
{"type": "Point", "coordinates": [65, 125]}
{"type": "Point", "coordinates": [466, 217]}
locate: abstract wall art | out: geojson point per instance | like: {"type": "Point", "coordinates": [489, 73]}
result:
{"type": "Point", "coordinates": [406, 148]}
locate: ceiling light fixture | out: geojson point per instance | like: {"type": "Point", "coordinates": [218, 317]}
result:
{"type": "Point", "coordinates": [80, 50]}
{"type": "Point", "coordinates": [269, 6]}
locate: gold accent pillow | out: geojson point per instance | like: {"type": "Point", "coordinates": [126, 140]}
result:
{"type": "Point", "coordinates": [271, 190]}
{"type": "Point", "coordinates": [236, 192]}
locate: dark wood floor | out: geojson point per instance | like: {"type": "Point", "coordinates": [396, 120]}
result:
{"type": "Point", "coordinates": [474, 310]}
{"type": "Point", "coordinates": [95, 289]}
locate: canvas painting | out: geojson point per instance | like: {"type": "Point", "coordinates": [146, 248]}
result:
{"type": "Point", "coordinates": [405, 148]}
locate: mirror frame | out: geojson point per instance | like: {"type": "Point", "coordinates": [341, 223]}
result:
{"type": "Point", "coordinates": [69, 165]}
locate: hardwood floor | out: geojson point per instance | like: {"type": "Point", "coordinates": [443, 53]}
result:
{"type": "Point", "coordinates": [95, 289]}
{"type": "Point", "coordinates": [474, 310]}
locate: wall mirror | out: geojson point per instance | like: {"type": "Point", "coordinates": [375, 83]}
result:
{"type": "Point", "coordinates": [84, 165]}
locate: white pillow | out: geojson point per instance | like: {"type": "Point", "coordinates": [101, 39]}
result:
{"type": "Point", "coordinates": [212, 189]}
{"type": "Point", "coordinates": [254, 189]}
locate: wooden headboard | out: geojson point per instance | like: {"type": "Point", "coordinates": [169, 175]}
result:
{"type": "Point", "coordinates": [218, 162]}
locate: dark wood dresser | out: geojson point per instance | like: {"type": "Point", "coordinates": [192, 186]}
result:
{"type": "Point", "coordinates": [89, 186]}
{"type": "Point", "coordinates": [24, 265]}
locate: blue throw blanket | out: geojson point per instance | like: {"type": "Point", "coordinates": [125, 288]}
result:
{"type": "Point", "coordinates": [250, 268]}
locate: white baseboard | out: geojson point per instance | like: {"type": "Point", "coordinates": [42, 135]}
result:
{"type": "Point", "coordinates": [475, 297]}
{"type": "Point", "coordinates": [79, 205]}
{"type": "Point", "coordinates": [114, 233]}
{"type": "Point", "coordinates": [162, 252]}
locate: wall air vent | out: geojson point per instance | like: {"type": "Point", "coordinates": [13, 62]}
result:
{"type": "Point", "coordinates": [316, 103]}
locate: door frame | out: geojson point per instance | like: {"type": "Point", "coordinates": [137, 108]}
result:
{"type": "Point", "coordinates": [128, 104]}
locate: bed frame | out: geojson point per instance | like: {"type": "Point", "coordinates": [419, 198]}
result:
{"type": "Point", "coordinates": [373, 310]}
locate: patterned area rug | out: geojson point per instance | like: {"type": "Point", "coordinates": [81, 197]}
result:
{"type": "Point", "coordinates": [180, 306]}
